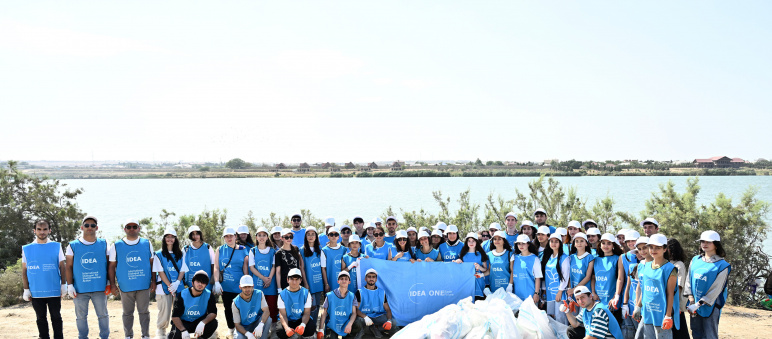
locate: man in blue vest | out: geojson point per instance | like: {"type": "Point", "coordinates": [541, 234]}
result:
{"type": "Point", "coordinates": [298, 232]}
{"type": "Point", "coordinates": [42, 264]}
{"type": "Point", "coordinates": [540, 216]}
{"type": "Point", "coordinates": [87, 259]}
{"type": "Point", "coordinates": [594, 316]}
{"type": "Point", "coordinates": [131, 262]}
{"type": "Point", "coordinates": [373, 307]}
{"type": "Point", "coordinates": [250, 311]}
{"type": "Point", "coordinates": [391, 229]}
{"type": "Point", "coordinates": [294, 305]}
{"type": "Point", "coordinates": [510, 220]}
{"type": "Point", "coordinates": [195, 310]}
{"type": "Point", "coordinates": [341, 305]}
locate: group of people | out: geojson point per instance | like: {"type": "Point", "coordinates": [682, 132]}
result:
{"type": "Point", "coordinates": [285, 280]}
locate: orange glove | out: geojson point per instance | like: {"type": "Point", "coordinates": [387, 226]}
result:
{"type": "Point", "coordinates": [300, 329]}
{"type": "Point", "coordinates": [667, 323]}
{"type": "Point", "coordinates": [387, 325]}
{"type": "Point", "coordinates": [108, 289]}
{"type": "Point", "coordinates": [319, 334]}
{"type": "Point", "coordinates": [573, 306]}
{"type": "Point", "coordinates": [289, 332]}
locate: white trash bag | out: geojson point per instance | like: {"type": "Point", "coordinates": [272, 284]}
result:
{"type": "Point", "coordinates": [533, 322]}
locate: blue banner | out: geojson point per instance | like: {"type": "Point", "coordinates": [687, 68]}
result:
{"type": "Point", "coordinates": [414, 290]}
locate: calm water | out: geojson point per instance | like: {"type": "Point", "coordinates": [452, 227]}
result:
{"type": "Point", "coordinates": [115, 200]}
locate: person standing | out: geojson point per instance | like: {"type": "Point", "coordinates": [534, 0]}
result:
{"type": "Point", "coordinates": [659, 292]}
{"type": "Point", "coordinates": [169, 265]}
{"type": "Point", "coordinates": [198, 255]}
{"type": "Point", "coordinates": [312, 279]}
{"type": "Point", "coordinates": [379, 248]}
{"type": "Point", "coordinates": [42, 264]}
{"type": "Point", "coordinates": [472, 252]}
{"type": "Point", "coordinates": [332, 255]}
{"type": "Point", "coordinates": [510, 220]}
{"type": "Point", "coordinates": [342, 321]}
{"type": "Point", "coordinates": [402, 250]}
{"type": "Point", "coordinates": [594, 317]}
{"type": "Point", "coordinates": [329, 222]}
{"type": "Point", "coordinates": [629, 325]}
{"type": "Point", "coordinates": [350, 261]}
{"type": "Point", "coordinates": [250, 312]}
{"type": "Point", "coordinates": [261, 265]}
{"type": "Point", "coordinates": [195, 310]}
{"type": "Point", "coordinates": [499, 256]}
{"type": "Point", "coordinates": [359, 227]}
{"type": "Point", "coordinates": [391, 227]}
{"type": "Point", "coordinates": [557, 270]}
{"type": "Point", "coordinates": [298, 233]}
{"type": "Point", "coordinates": [424, 251]}
{"type": "Point", "coordinates": [244, 237]}
{"type": "Point", "coordinates": [232, 263]}
{"type": "Point", "coordinates": [540, 216]}
{"type": "Point", "coordinates": [294, 306]}
{"type": "Point", "coordinates": [286, 258]}
{"type": "Point", "coordinates": [450, 249]}
{"type": "Point", "coordinates": [608, 270]}
{"type": "Point", "coordinates": [526, 269]}
{"type": "Point", "coordinates": [373, 307]}
{"type": "Point", "coordinates": [650, 226]}
{"type": "Point", "coordinates": [706, 286]}
{"type": "Point", "coordinates": [131, 262]}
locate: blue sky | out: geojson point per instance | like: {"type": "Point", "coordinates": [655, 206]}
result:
{"type": "Point", "coordinates": [362, 81]}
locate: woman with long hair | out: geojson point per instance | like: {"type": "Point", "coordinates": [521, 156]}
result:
{"type": "Point", "coordinates": [350, 262]}
{"type": "Point", "coordinates": [232, 263]}
{"type": "Point", "coordinates": [244, 238]}
{"type": "Point", "coordinates": [472, 253]}
{"type": "Point", "coordinates": [261, 265]}
{"type": "Point", "coordinates": [402, 250]}
{"type": "Point", "coordinates": [170, 267]}
{"type": "Point", "coordinates": [451, 248]}
{"type": "Point", "coordinates": [526, 269]}
{"type": "Point", "coordinates": [631, 297]}
{"type": "Point", "coordinates": [286, 258]}
{"type": "Point", "coordinates": [332, 256]}
{"type": "Point", "coordinates": [276, 237]}
{"type": "Point", "coordinates": [609, 272]}
{"type": "Point", "coordinates": [425, 251]}
{"type": "Point", "coordinates": [499, 256]}
{"type": "Point", "coordinates": [706, 286]}
{"type": "Point", "coordinates": [593, 237]}
{"type": "Point", "coordinates": [528, 229]}
{"type": "Point", "coordinates": [379, 249]}
{"type": "Point", "coordinates": [198, 255]}
{"type": "Point", "coordinates": [557, 270]}
{"type": "Point", "coordinates": [312, 264]}
{"type": "Point", "coordinates": [412, 237]}
{"type": "Point", "coordinates": [677, 258]}
{"type": "Point", "coordinates": [438, 238]}
{"type": "Point", "coordinates": [659, 300]}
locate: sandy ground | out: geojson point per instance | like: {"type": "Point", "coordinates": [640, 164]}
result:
{"type": "Point", "coordinates": [19, 322]}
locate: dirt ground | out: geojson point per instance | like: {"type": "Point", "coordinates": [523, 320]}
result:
{"type": "Point", "coordinates": [19, 322]}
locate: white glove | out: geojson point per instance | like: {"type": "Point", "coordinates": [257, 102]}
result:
{"type": "Point", "coordinates": [249, 335]}
{"type": "Point", "coordinates": [637, 313]}
{"type": "Point", "coordinates": [353, 264]}
{"type": "Point", "coordinates": [27, 295]}
{"type": "Point", "coordinates": [563, 308]}
{"type": "Point", "coordinates": [217, 288]}
{"type": "Point", "coordinates": [174, 286]}
{"type": "Point", "coordinates": [259, 330]}
{"type": "Point", "coordinates": [368, 321]}
{"type": "Point", "coordinates": [63, 290]}
{"type": "Point", "coordinates": [625, 311]}
{"type": "Point", "coordinates": [509, 288]}
{"type": "Point", "coordinates": [185, 335]}
{"type": "Point", "coordinates": [612, 304]}
{"type": "Point", "coordinates": [693, 308]}
{"type": "Point", "coordinates": [200, 328]}
{"type": "Point", "coordinates": [71, 291]}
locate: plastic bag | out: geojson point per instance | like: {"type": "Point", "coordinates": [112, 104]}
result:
{"type": "Point", "coordinates": [512, 300]}
{"type": "Point", "coordinates": [501, 321]}
{"type": "Point", "coordinates": [533, 322]}
{"type": "Point", "coordinates": [560, 330]}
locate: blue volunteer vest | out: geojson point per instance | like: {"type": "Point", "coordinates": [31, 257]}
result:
{"type": "Point", "coordinates": [633, 287]}
{"type": "Point", "coordinates": [499, 276]}
{"type": "Point", "coordinates": [133, 265]}
{"type": "Point", "coordinates": [372, 302]}
{"type": "Point", "coordinates": [348, 259]}
{"type": "Point", "coordinates": [406, 256]}
{"type": "Point", "coordinates": [606, 278]}
{"type": "Point", "coordinates": [552, 278]}
{"type": "Point", "coordinates": [522, 275]}
{"type": "Point", "coordinates": [333, 257]}
{"type": "Point", "coordinates": [313, 267]}
{"type": "Point", "coordinates": [294, 302]}
{"type": "Point", "coordinates": [264, 264]}
{"type": "Point", "coordinates": [486, 245]}
{"type": "Point", "coordinates": [701, 276]}
{"type": "Point", "coordinates": [235, 270]}
{"type": "Point", "coordinates": [197, 259]}
{"type": "Point", "coordinates": [613, 325]}
{"type": "Point", "coordinates": [339, 311]}
{"type": "Point", "coordinates": [450, 253]}
{"type": "Point", "coordinates": [195, 307]}
{"type": "Point", "coordinates": [511, 239]}
{"type": "Point", "coordinates": [629, 261]}
{"type": "Point", "coordinates": [389, 239]}
{"type": "Point", "coordinates": [89, 267]}
{"type": "Point", "coordinates": [579, 269]}
{"type": "Point", "coordinates": [298, 237]}
{"type": "Point", "coordinates": [250, 311]}
{"type": "Point", "coordinates": [378, 253]}
{"type": "Point", "coordinates": [323, 240]}
{"type": "Point", "coordinates": [655, 295]}
{"type": "Point", "coordinates": [43, 269]}
{"type": "Point", "coordinates": [169, 270]}
{"type": "Point", "coordinates": [433, 254]}
{"type": "Point", "coordinates": [479, 285]}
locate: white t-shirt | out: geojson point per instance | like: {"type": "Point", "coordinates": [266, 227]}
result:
{"type": "Point", "coordinates": [237, 313]}
{"type": "Point", "coordinates": [211, 252]}
{"type": "Point", "coordinates": [69, 252]}
{"type": "Point", "coordinates": [61, 253]}
{"type": "Point", "coordinates": [158, 267]}
{"type": "Point", "coordinates": [252, 255]}
{"type": "Point", "coordinates": [323, 258]}
{"type": "Point", "coordinates": [130, 242]}
{"type": "Point", "coordinates": [537, 273]}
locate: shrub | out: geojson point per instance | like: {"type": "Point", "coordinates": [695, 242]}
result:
{"type": "Point", "coordinates": [11, 287]}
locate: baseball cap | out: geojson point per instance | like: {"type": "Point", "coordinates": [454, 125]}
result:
{"type": "Point", "coordinates": [501, 234]}
{"type": "Point", "coordinates": [329, 221]}
{"type": "Point", "coordinates": [276, 229]}
{"type": "Point", "coordinates": [372, 270]}
{"type": "Point", "coordinates": [311, 228]}
{"type": "Point", "coordinates": [423, 234]}
{"type": "Point", "coordinates": [580, 235]}
{"type": "Point", "coordinates": [511, 214]}
{"type": "Point", "coordinates": [246, 280]}
{"type": "Point", "coordinates": [581, 289]}
{"type": "Point", "coordinates": [131, 221]}
{"type": "Point", "coordinates": [632, 235]}
{"type": "Point", "coordinates": [411, 229]}
{"type": "Point", "coordinates": [401, 234]}
{"type": "Point", "coordinates": [593, 231]}
{"type": "Point", "coordinates": [423, 229]}
{"type": "Point", "coordinates": [353, 238]}
{"type": "Point", "coordinates": [357, 217]}
{"type": "Point", "coordinates": [170, 230]}
{"type": "Point", "coordinates": [608, 236]}
{"type": "Point", "coordinates": [623, 231]}
{"type": "Point", "coordinates": [649, 220]}
{"type": "Point", "coordinates": [437, 233]}
{"type": "Point", "coordinates": [90, 217]}
{"type": "Point", "coordinates": [556, 235]}
{"type": "Point", "coordinates": [441, 226]}
{"type": "Point", "coordinates": [588, 221]}
{"type": "Point", "coordinates": [472, 235]}
{"type": "Point", "coordinates": [495, 225]}
{"type": "Point", "coordinates": [193, 228]}
{"type": "Point", "coordinates": [710, 236]}
{"type": "Point", "coordinates": [261, 229]}
{"type": "Point", "coordinates": [574, 223]}
{"type": "Point", "coordinates": [345, 226]}
{"type": "Point", "coordinates": [377, 220]}
{"type": "Point", "coordinates": [543, 230]}
{"type": "Point", "coordinates": [294, 272]}
{"type": "Point", "coordinates": [539, 210]}
{"type": "Point", "coordinates": [243, 229]}
{"type": "Point", "coordinates": [451, 229]}
{"type": "Point", "coordinates": [642, 240]}
{"type": "Point", "coordinates": [286, 231]}
{"type": "Point", "coordinates": [342, 273]}
{"type": "Point", "coordinates": [522, 239]}
{"type": "Point", "coordinates": [370, 225]}
{"type": "Point", "coordinates": [228, 230]}
{"type": "Point", "coordinates": [561, 231]}
{"type": "Point", "coordinates": [391, 217]}
{"type": "Point", "coordinates": [526, 223]}
{"type": "Point", "coordinates": [658, 240]}
{"type": "Point", "coordinates": [297, 215]}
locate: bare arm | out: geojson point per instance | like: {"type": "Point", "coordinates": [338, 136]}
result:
{"type": "Point", "coordinates": [672, 282]}
{"type": "Point", "coordinates": [620, 275]}
{"type": "Point", "coordinates": [68, 270]}
{"type": "Point", "coordinates": [216, 267]}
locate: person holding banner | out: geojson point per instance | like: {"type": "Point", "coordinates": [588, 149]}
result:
{"type": "Point", "coordinates": [332, 256]}
{"type": "Point", "coordinates": [379, 248]}
{"type": "Point", "coordinates": [312, 267]}
{"type": "Point", "coordinates": [232, 263]}
{"type": "Point", "coordinates": [526, 269]}
{"type": "Point", "coordinates": [198, 255]}
{"type": "Point", "coordinates": [261, 266]}
{"type": "Point", "coordinates": [171, 268]}
{"type": "Point", "coordinates": [594, 317]}
{"type": "Point", "coordinates": [472, 253]}
{"type": "Point", "coordinates": [294, 306]}
{"type": "Point", "coordinates": [402, 250]}
{"type": "Point", "coordinates": [706, 286]}
{"type": "Point", "coordinates": [341, 307]}
{"type": "Point", "coordinates": [373, 307]}
{"type": "Point", "coordinates": [450, 249]}
{"type": "Point", "coordinates": [425, 252]}
{"type": "Point", "coordinates": [499, 257]}
{"type": "Point", "coordinates": [350, 260]}
{"type": "Point", "coordinates": [557, 270]}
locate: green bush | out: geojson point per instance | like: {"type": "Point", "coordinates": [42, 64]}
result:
{"type": "Point", "coordinates": [11, 287]}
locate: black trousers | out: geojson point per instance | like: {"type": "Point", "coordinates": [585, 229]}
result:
{"type": "Point", "coordinates": [54, 307]}
{"type": "Point", "coordinates": [576, 332]}
{"type": "Point", "coordinates": [227, 301]}
{"type": "Point", "coordinates": [209, 329]}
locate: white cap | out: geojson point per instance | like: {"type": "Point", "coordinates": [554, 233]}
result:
{"type": "Point", "coordinates": [501, 234]}
{"type": "Point", "coordinates": [312, 228]}
{"type": "Point", "coordinates": [437, 233]}
{"type": "Point", "coordinates": [522, 239]}
{"type": "Point", "coordinates": [90, 217]}
{"type": "Point", "coordinates": [526, 223]}
{"type": "Point", "coordinates": [342, 273]}
{"type": "Point", "coordinates": [632, 235]}
{"type": "Point", "coordinates": [345, 226]}
{"type": "Point", "coordinates": [193, 228]}
{"type": "Point", "coordinates": [243, 229]}
{"type": "Point", "coordinates": [581, 289]}
{"type": "Point", "coordinates": [170, 230]}
{"type": "Point", "coordinates": [372, 270]}
{"type": "Point", "coordinates": [276, 229]}
{"type": "Point", "coordinates": [246, 280]}
{"type": "Point", "coordinates": [539, 210]}
{"type": "Point", "coordinates": [608, 236]}
{"type": "Point", "coordinates": [334, 229]}
{"type": "Point", "coordinates": [423, 234]}
{"type": "Point", "coordinates": [296, 215]}
{"type": "Point", "coordinates": [495, 225]}
{"type": "Point", "coordinates": [562, 231]}
{"type": "Point", "coordinates": [391, 217]}
{"type": "Point", "coordinates": [357, 217]}
{"type": "Point", "coordinates": [401, 234]}
{"type": "Point", "coordinates": [710, 236]}
{"type": "Point", "coordinates": [411, 229]}
{"type": "Point", "coordinates": [294, 272]}
{"type": "Point", "coordinates": [593, 231]}
{"type": "Point", "coordinates": [472, 235]}
{"type": "Point", "coordinates": [423, 229]}
{"type": "Point", "coordinates": [574, 223]}
{"type": "Point", "coordinates": [580, 235]}
{"type": "Point", "coordinates": [451, 229]}
{"type": "Point", "coordinates": [658, 240]}
{"type": "Point", "coordinates": [642, 240]}
{"type": "Point", "coordinates": [377, 220]}
{"type": "Point", "coordinates": [623, 232]}
{"type": "Point", "coordinates": [228, 230]}
{"type": "Point", "coordinates": [440, 226]}
{"type": "Point", "coordinates": [329, 221]}
{"type": "Point", "coordinates": [286, 231]}
{"type": "Point", "coordinates": [543, 230]}
{"type": "Point", "coordinates": [200, 272]}
{"type": "Point", "coordinates": [649, 220]}
{"type": "Point", "coordinates": [353, 238]}
{"type": "Point", "coordinates": [370, 225]}
{"type": "Point", "coordinates": [556, 235]}
{"type": "Point", "coordinates": [131, 221]}
{"type": "Point", "coordinates": [511, 214]}
{"type": "Point", "coordinates": [588, 221]}
{"type": "Point", "coordinates": [262, 229]}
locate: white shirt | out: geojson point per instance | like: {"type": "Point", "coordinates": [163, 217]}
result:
{"type": "Point", "coordinates": [69, 252]}
{"type": "Point", "coordinates": [536, 267]}
{"type": "Point", "coordinates": [61, 253]}
{"type": "Point", "coordinates": [252, 255]}
{"type": "Point", "coordinates": [237, 313]}
{"type": "Point", "coordinates": [211, 252]}
{"type": "Point", "coordinates": [280, 302]}
{"type": "Point", "coordinates": [158, 267]}
{"type": "Point", "coordinates": [323, 258]}
{"type": "Point", "coordinates": [130, 242]}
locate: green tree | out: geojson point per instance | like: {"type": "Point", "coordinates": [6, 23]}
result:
{"type": "Point", "coordinates": [237, 163]}
{"type": "Point", "coordinates": [478, 162]}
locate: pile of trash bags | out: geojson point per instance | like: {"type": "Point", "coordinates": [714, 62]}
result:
{"type": "Point", "coordinates": [492, 318]}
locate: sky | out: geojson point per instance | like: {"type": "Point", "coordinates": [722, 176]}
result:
{"type": "Point", "coordinates": [312, 81]}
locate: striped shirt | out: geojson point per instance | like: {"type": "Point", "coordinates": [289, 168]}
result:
{"type": "Point", "coordinates": [599, 326]}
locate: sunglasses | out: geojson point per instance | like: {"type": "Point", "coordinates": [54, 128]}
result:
{"type": "Point", "coordinates": [379, 234]}
{"type": "Point", "coordinates": [345, 232]}
{"type": "Point", "coordinates": [132, 227]}
{"type": "Point", "coordinates": [333, 234]}
{"type": "Point", "coordinates": [295, 219]}
{"type": "Point", "coordinates": [486, 236]}
{"type": "Point", "coordinates": [287, 237]}
{"type": "Point", "coordinates": [90, 225]}
{"type": "Point", "coordinates": [401, 239]}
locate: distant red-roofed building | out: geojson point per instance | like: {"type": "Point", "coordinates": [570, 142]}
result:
{"type": "Point", "coordinates": [719, 162]}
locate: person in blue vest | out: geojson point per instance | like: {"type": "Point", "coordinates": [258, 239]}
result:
{"type": "Point", "coordinates": [438, 238]}
{"type": "Point", "coordinates": [412, 237]}
{"type": "Point", "coordinates": [472, 252]}
{"type": "Point", "coordinates": [593, 237]}
{"type": "Point", "coordinates": [574, 227]}
{"type": "Point", "coordinates": [706, 286]}
{"type": "Point", "coordinates": [261, 265]}
{"type": "Point", "coordinates": [244, 237]}
{"type": "Point", "coordinates": [170, 268]}
{"type": "Point", "coordinates": [401, 251]}
{"type": "Point", "coordinates": [294, 306]}
{"type": "Point", "coordinates": [621, 234]}
{"type": "Point", "coordinates": [374, 307]}
{"type": "Point", "coordinates": [339, 312]}
{"type": "Point", "coordinates": [527, 228]}
{"type": "Point", "coordinates": [630, 261]}
{"type": "Point", "coordinates": [350, 261]}
{"type": "Point", "coordinates": [608, 270]}
{"type": "Point", "coordinates": [379, 249]}
{"type": "Point", "coordinates": [312, 267]}
{"type": "Point", "coordinates": [195, 310]}
{"type": "Point", "coordinates": [510, 227]}
{"type": "Point", "coordinates": [425, 252]}
{"type": "Point", "coordinates": [250, 312]}
{"type": "Point", "coordinates": [564, 239]}
{"type": "Point", "coordinates": [594, 317]}
{"type": "Point", "coordinates": [198, 255]}
{"type": "Point", "coordinates": [499, 256]}
{"type": "Point", "coordinates": [232, 263]}
{"type": "Point", "coordinates": [369, 238]}
{"type": "Point", "coordinates": [131, 263]}
{"type": "Point", "coordinates": [87, 259]}
{"type": "Point", "coordinates": [492, 228]}
{"type": "Point", "coordinates": [42, 265]}
{"type": "Point", "coordinates": [345, 235]}
{"type": "Point", "coordinates": [526, 269]}
{"type": "Point", "coordinates": [391, 228]}
{"type": "Point", "coordinates": [557, 271]}
{"type": "Point", "coordinates": [332, 256]}
{"type": "Point", "coordinates": [298, 232]}
{"type": "Point", "coordinates": [450, 249]}
{"type": "Point", "coordinates": [659, 292]}
{"type": "Point", "coordinates": [581, 261]}
{"type": "Point", "coordinates": [540, 217]}
{"type": "Point", "coordinates": [542, 237]}
{"type": "Point", "coordinates": [677, 258]}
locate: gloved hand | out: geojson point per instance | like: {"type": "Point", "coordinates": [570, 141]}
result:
{"type": "Point", "coordinates": [637, 313]}
{"type": "Point", "coordinates": [509, 288]}
{"type": "Point", "coordinates": [564, 307]}
{"type": "Point", "coordinates": [368, 321]}
{"type": "Point", "coordinates": [667, 323]}
{"type": "Point", "coordinates": [249, 335]}
{"type": "Point", "coordinates": [612, 304]}
{"type": "Point", "coordinates": [387, 325]}
{"type": "Point", "coordinates": [319, 334]}
{"type": "Point", "coordinates": [625, 311]}
{"type": "Point", "coordinates": [289, 332]}
{"type": "Point", "coordinates": [63, 290]}
{"type": "Point", "coordinates": [185, 335]}
{"type": "Point", "coordinates": [174, 286]}
{"type": "Point", "coordinates": [71, 291]}
{"type": "Point", "coordinates": [353, 265]}
{"type": "Point", "coordinates": [692, 309]}
{"type": "Point", "coordinates": [27, 295]}
{"type": "Point", "coordinates": [300, 329]}
{"type": "Point", "coordinates": [217, 288]}
{"type": "Point", "coordinates": [259, 330]}
{"type": "Point", "coordinates": [479, 275]}
{"type": "Point", "coordinates": [573, 305]}
{"type": "Point", "coordinates": [108, 289]}
{"type": "Point", "coordinates": [200, 328]}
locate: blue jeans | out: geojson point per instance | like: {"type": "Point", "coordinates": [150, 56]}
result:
{"type": "Point", "coordinates": [629, 326]}
{"type": "Point", "coordinates": [705, 328]}
{"type": "Point", "coordinates": [253, 326]}
{"type": "Point", "coordinates": [99, 299]}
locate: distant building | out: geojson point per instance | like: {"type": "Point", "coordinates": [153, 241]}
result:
{"type": "Point", "coordinates": [372, 165]}
{"type": "Point", "coordinates": [280, 166]}
{"type": "Point", "coordinates": [398, 165]}
{"type": "Point", "coordinates": [719, 162]}
{"type": "Point", "coordinates": [304, 167]}
{"type": "Point", "coordinates": [350, 165]}
{"type": "Point", "coordinates": [326, 165]}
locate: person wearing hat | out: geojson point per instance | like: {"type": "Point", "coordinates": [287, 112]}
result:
{"type": "Point", "coordinates": [451, 248]}
{"type": "Point", "coordinates": [527, 228]}
{"type": "Point", "coordinates": [359, 226]}
{"type": "Point", "coordinates": [195, 310]}
{"type": "Point", "coordinates": [629, 261]}
{"type": "Point", "coordinates": [588, 224]}
{"type": "Point", "coordinates": [541, 241]}
{"type": "Point", "coordinates": [437, 239]}
{"type": "Point", "coordinates": [391, 227]}
{"type": "Point", "coordinates": [557, 270]}
{"type": "Point", "coordinates": [298, 232]}
{"type": "Point", "coordinates": [621, 239]}
{"type": "Point", "coordinates": [492, 228]}
{"type": "Point", "coordinates": [499, 257]}
{"type": "Point", "coordinates": [593, 237]}
{"type": "Point", "coordinates": [658, 302]}
{"type": "Point", "coordinates": [412, 237]}
{"type": "Point", "coordinates": [472, 252]}
{"type": "Point", "coordinates": [345, 235]}
{"type": "Point", "coordinates": [526, 269]}
{"type": "Point", "coordinates": [630, 326]}
{"type": "Point", "coordinates": [608, 270]}
{"type": "Point", "coordinates": [276, 237]}
{"type": "Point", "coordinates": [510, 221]}
{"type": "Point", "coordinates": [261, 265]}
{"type": "Point", "coordinates": [425, 251]}
{"type": "Point", "coordinates": [329, 222]}
{"type": "Point", "coordinates": [706, 286]}
{"type": "Point", "coordinates": [332, 256]}
{"type": "Point", "coordinates": [244, 237]}
{"type": "Point", "coordinates": [540, 216]}
{"type": "Point", "coordinates": [582, 262]}
{"type": "Point", "coordinates": [594, 318]}
{"type": "Point", "coordinates": [379, 249]}
{"type": "Point", "coordinates": [574, 227]}
{"type": "Point", "coordinates": [312, 269]}
{"type": "Point", "coordinates": [369, 237]}
{"type": "Point", "coordinates": [42, 264]}
{"type": "Point", "coordinates": [131, 263]}
{"type": "Point", "coordinates": [650, 226]}
{"type": "Point", "coordinates": [350, 262]}
{"type": "Point", "coordinates": [286, 258]}
{"type": "Point", "coordinates": [440, 226]}
{"type": "Point", "coordinates": [401, 251]}
{"type": "Point", "coordinates": [373, 307]}
{"type": "Point", "coordinates": [294, 306]}
{"type": "Point", "coordinates": [677, 258]}
{"type": "Point", "coordinates": [564, 239]}
{"type": "Point", "coordinates": [232, 263]}
{"type": "Point", "coordinates": [170, 269]}
{"type": "Point", "coordinates": [198, 255]}
{"type": "Point", "coordinates": [342, 321]}
{"type": "Point", "coordinates": [250, 312]}
{"type": "Point", "coordinates": [88, 279]}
